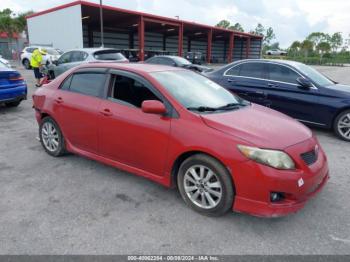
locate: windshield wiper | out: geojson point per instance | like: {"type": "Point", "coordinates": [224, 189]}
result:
{"type": "Point", "coordinates": [212, 109]}
{"type": "Point", "coordinates": [202, 109]}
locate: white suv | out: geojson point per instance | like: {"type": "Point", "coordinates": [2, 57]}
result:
{"type": "Point", "coordinates": [276, 52]}
{"type": "Point", "coordinates": [51, 56]}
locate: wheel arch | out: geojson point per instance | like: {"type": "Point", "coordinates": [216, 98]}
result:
{"type": "Point", "coordinates": [338, 112]}
{"type": "Point", "coordinates": [185, 155]}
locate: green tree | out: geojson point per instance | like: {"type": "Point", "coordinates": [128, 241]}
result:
{"type": "Point", "coordinates": [336, 41]}
{"type": "Point", "coordinates": [237, 27]}
{"type": "Point", "coordinates": [269, 36]}
{"type": "Point", "coordinates": [318, 37]}
{"type": "Point", "coordinates": [323, 47]}
{"type": "Point", "coordinates": [295, 48]}
{"type": "Point", "coordinates": [259, 30]}
{"type": "Point", "coordinates": [306, 46]}
{"type": "Point", "coordinates": [223, 24]}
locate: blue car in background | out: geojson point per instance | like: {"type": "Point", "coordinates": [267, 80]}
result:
{"type": "Point", "coordinates": [13, 88]}
{"type": "Point", "coordinates": [292, 88]}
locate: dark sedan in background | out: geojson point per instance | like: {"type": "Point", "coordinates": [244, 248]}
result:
{"type": "Point", "coordinates": [176, 61]}
{"type": "Point", "coordinates": [292, 88]}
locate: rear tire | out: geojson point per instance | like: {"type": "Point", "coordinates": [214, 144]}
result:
{"type": "Point", "coordinates": [341, 125]}
{"type": "Point", "coordinates": [205, 185]}
{"type": "Point", "coordinates": [51, 137]}
{"type": "Point", "coordinates": [13, 104]}
{"type": "Point", "coordinates": [26, 64]}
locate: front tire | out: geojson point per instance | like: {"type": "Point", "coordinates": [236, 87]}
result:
{"type": "Point", "coordinates": [51, 137]}
{"type": "Point", "coordinates": [342, 125]}
{"type": "Point", "coordinates": [205, 185]}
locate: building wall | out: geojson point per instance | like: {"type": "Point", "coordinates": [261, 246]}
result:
{"type": "Point", "coordinates": [61, 29]}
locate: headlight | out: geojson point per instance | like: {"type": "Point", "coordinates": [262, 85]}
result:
{"type": "Point", "coordinates": [273, 158]}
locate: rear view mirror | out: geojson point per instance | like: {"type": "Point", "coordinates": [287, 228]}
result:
{"type": "Point", "coordinates": [304, 82]}
{"type": "Point", "coordinates": [153, 107]}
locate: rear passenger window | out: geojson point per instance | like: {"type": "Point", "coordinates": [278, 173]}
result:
{"type": "Point", "coordinates": [234, 71]}
{"type": "Point", "coordinates": [255, 70]}
{"type": "Point", "coordinates": [282, 74]}
{"type": "Point", "coordinates": [91, 84]}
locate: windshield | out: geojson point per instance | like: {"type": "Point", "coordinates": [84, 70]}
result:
{"type": "Point", "coordinates": [193, 90]}
{"type": "Point", "coordinates": [109, 55]}
{"type": "Point", "coordinates": [314, 75]}
{"type": "Point", "coordinates": [52, 51]}
{"type": "Point", "coordinates": [181, 61]}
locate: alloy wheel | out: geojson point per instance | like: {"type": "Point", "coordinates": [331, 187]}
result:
{"type": "Point", "coordinates": [50, 136]}
{"type": "Point", "coordinates": [344, 126]}
{"type": "Point", "coordinates": [202, 186]}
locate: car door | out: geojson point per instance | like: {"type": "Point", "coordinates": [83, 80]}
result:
{"type": "Point", "coordinates": [62, 62]}
{"type": "Point", "coordinates": [127, 134]}
{"type": "Point", "coordinates": [77, 57]}
{"type": "Point", "coordinates": [248, 81]}
{"type": "Point", "coordinates": [76, 107]}
{"type": "Point", "coordinates": [287, 96]}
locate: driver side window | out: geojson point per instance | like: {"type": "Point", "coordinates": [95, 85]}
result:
{"type": "Point", "coordinates": [129, 91]}
{"type": "Point", "coordinates": [65, 58]}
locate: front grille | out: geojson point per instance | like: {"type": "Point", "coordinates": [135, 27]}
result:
{"type": "Point", "coordinates": [310, 157]}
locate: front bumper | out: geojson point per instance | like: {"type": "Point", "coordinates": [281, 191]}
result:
{"type": "Point", "coordinates": [13, 94]}
{"type": "Point", "coordinates": [255, 183]}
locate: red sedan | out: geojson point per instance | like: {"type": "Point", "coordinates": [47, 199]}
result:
{"type": "Point", "coordinates": [179, 128]}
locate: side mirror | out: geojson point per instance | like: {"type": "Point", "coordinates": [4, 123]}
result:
{"type": "Point", "coordinates": [304, 83]}
{"type": "Point", "coordinates": [153, 107]}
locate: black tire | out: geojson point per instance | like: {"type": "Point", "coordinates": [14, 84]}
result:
{"type": "Point", "coordinates": [60, 150]}
{"type": "Point", "coordinates": [343, 133]}
{"type": "Point", "coordinates": [221, 174]}
{"type": "Point", "coordinates": [26, 64]}
{"type": "Point", "coordinates": [13, 104]}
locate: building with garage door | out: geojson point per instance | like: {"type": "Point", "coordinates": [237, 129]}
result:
{"type": "Point", "coordinates": [77, 25]}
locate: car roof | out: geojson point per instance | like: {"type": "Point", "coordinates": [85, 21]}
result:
{"type": "Point", "coordinates": [134, 67]}
{"type": "Point", "coordinates": [277, 61]}
{"type": "Point", "coordinates": [168, 56]}
{"type": "Point", "coordinates": [93, 50]}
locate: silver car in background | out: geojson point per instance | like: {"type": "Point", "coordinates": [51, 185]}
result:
{"type": "Point", "coordinates": [76, 57]}
{"type": "Point", "coordinates": [276, 52]}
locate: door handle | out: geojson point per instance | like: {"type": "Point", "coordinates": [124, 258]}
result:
{"type": "Point", "coordinates": [59, 100]}
{"type": "Point", "coordinates": [272, 85]}
{"type": "Point", "coordinates": [106, 112]}
{"type": "Point", "coordinates": [231, 80]}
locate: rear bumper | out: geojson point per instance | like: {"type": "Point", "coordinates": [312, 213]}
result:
{"type": "Point", "coordinates": [13, 94]}
{"type": "Point", "coordinates": [256, 182]}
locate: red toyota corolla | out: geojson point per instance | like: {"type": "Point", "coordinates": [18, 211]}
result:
{"type": "Point", "coordinates": [179, 128]}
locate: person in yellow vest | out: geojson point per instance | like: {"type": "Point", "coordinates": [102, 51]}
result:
{"type": "Point", "coordinates": [36, 62]}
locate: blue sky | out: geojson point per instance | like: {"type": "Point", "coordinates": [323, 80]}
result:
{"type": "Point", "coordinates": [291, 19]}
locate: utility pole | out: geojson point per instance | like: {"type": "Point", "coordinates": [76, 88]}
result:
{"type": "Point", "coordinates": [101, 24]}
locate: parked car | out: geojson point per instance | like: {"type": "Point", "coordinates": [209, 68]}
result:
{"type": "Point", "coordinates": [195, 57]}
{"type": "Point", "coordinates": [179, 128]}
{"type": "Point", "coordinates": [291, 88]}
{"type": "Point", "coordinates": [51, 57]}
{"type": "Point", "coordinates": [176, 61]}
{"type": "Point", "coordinates": [276, 52]}
{"type": "Point", "coordinates": [5, 62]}
{"type": "Point", "coordinates": [76, 57]}
{"type": "Point", "coordinates": [13, 88]}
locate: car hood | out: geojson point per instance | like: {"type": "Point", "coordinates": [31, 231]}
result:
{"type": "Point", "coordinates": [339, 87]}
{"type": "Point", "coordinates": [259, 126]}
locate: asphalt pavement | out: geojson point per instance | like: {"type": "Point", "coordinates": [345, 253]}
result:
{"type": "Point", "coordinates": [72, 205]}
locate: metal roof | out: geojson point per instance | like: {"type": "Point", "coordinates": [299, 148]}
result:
{"type": "Point", "coordinates": [156, 18]}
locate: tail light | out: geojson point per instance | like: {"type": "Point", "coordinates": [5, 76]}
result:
{"type": "Point", "coordinates": [16, 78]}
